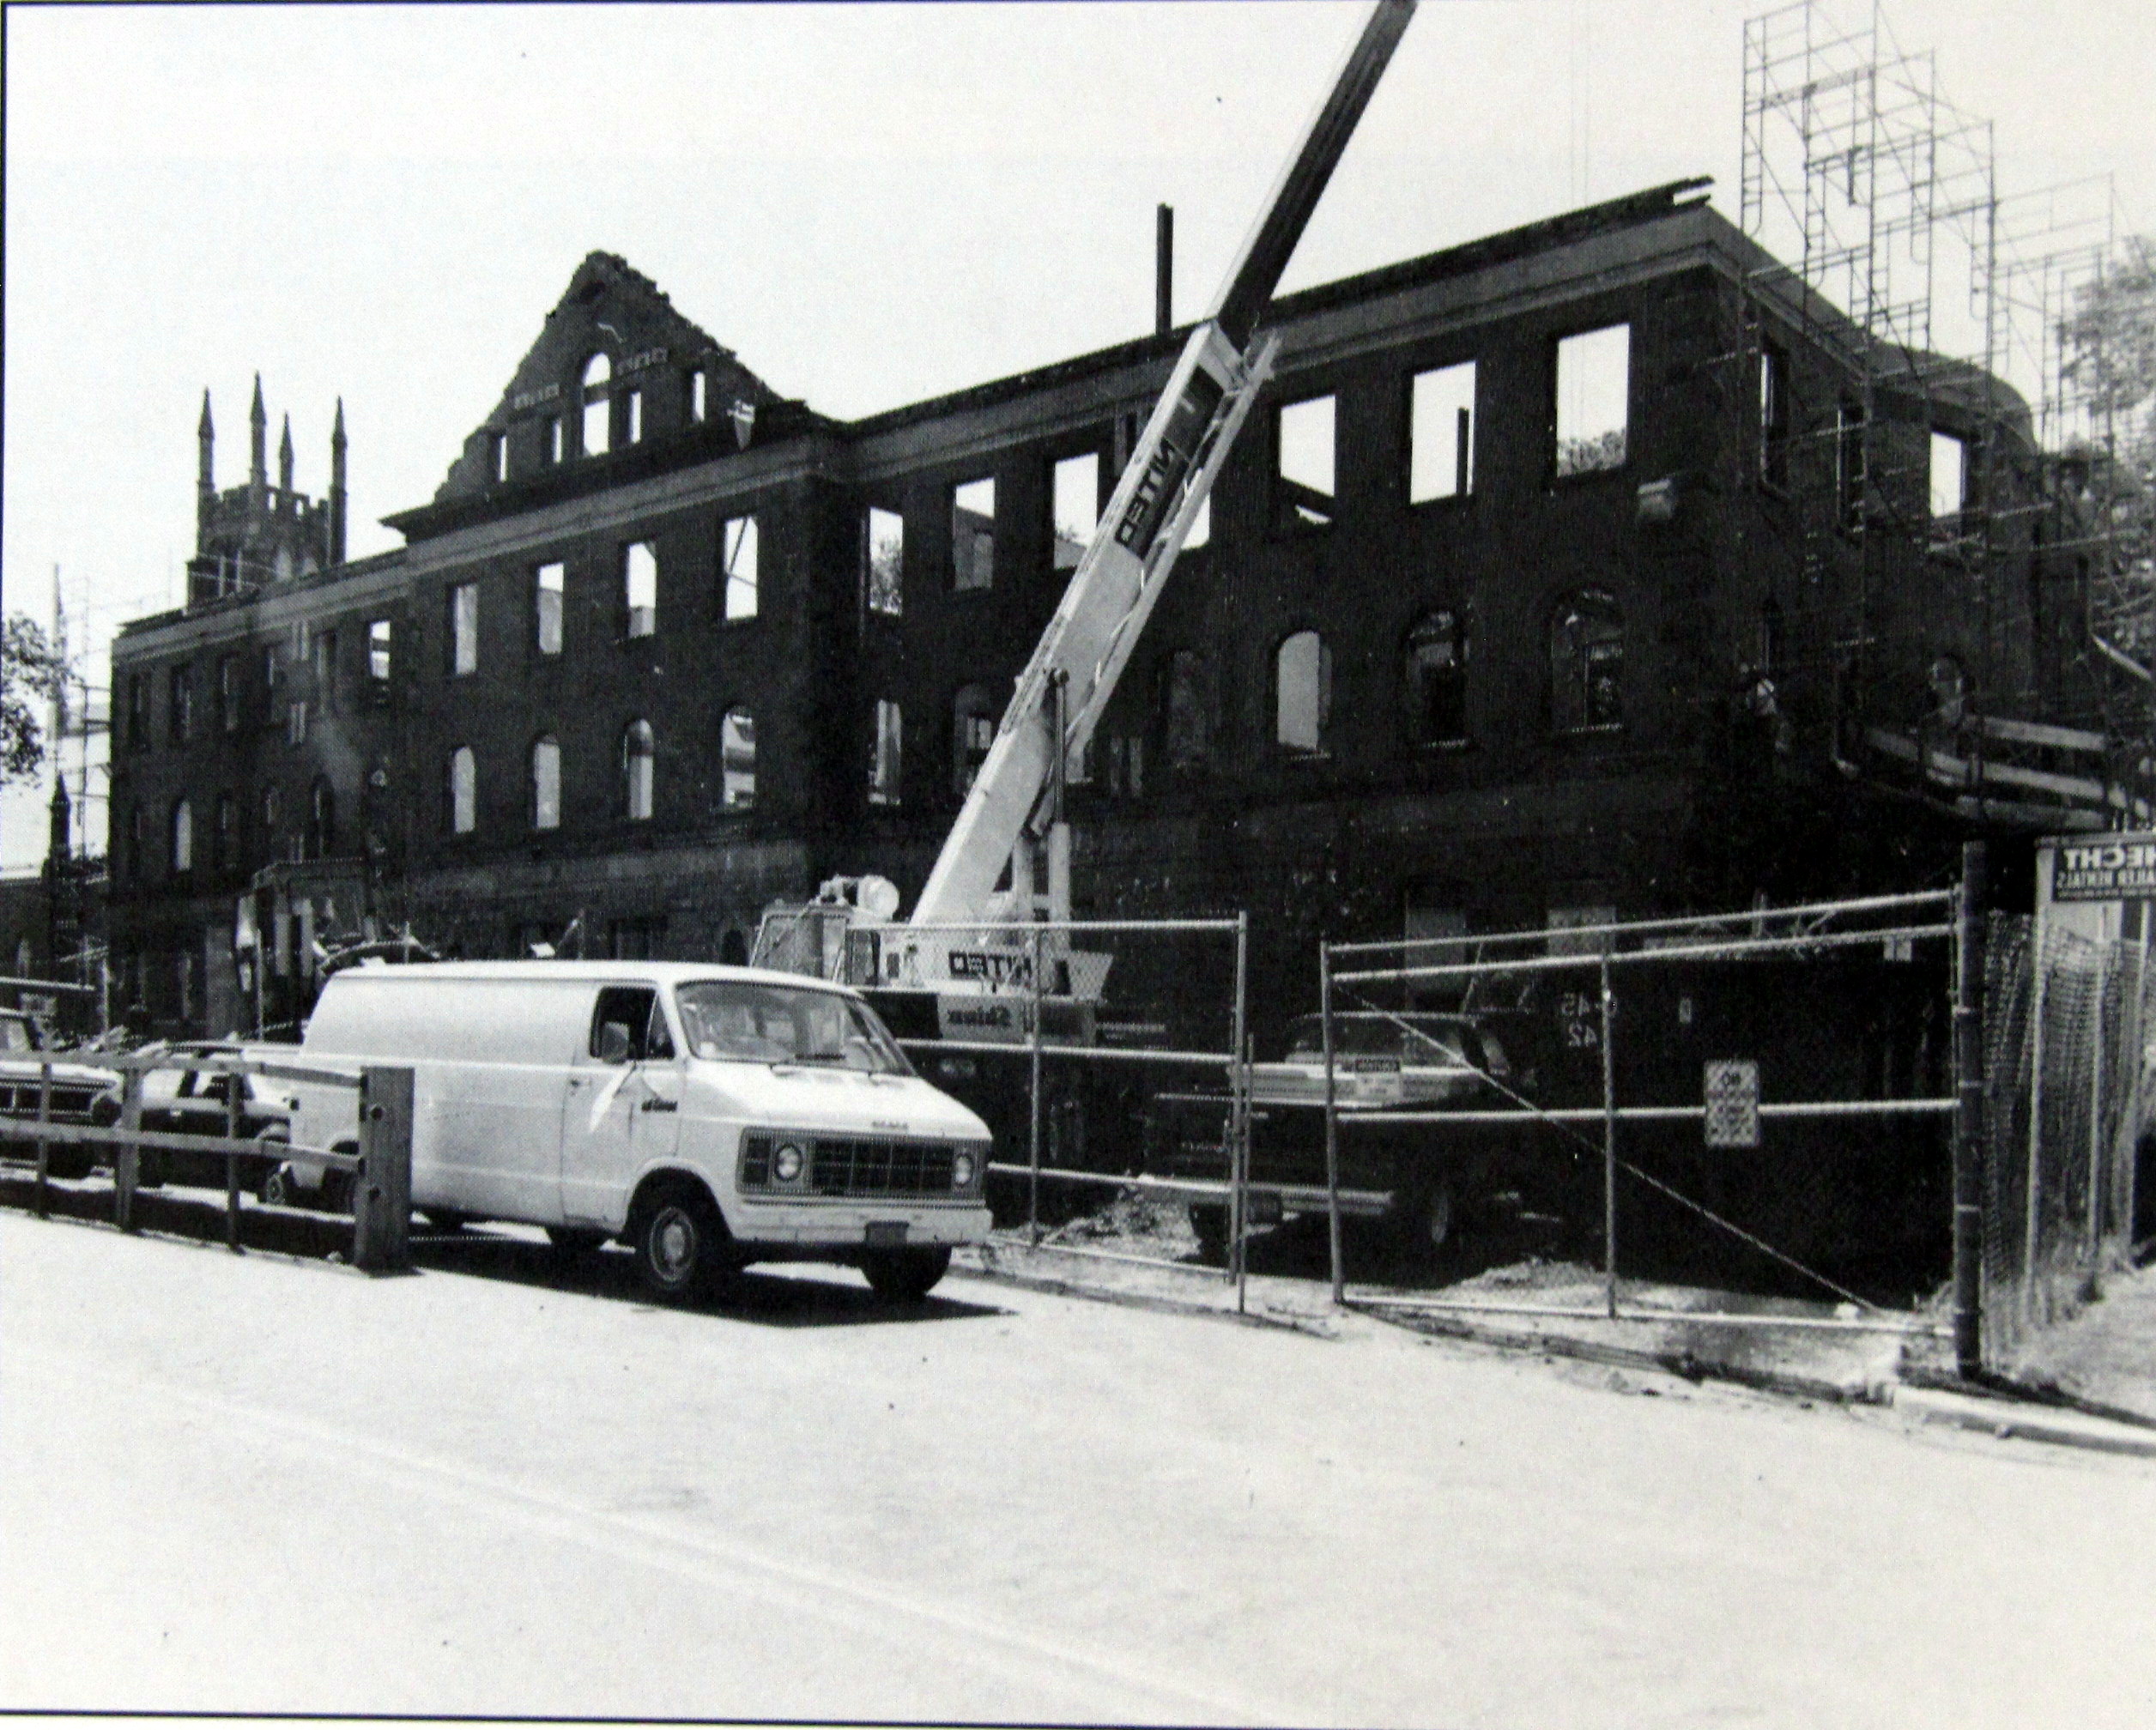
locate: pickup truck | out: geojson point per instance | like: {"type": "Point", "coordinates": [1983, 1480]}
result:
{"type": "Point", "coordinates": [1422, 1180]}
{"type": "Point", "coordinates": [80, 1094]}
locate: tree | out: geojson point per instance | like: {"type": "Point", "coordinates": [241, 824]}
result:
{"type": "Point", "coordinates": [30, 671]}
{"type": "Point", "coordinates": [2109, 348]}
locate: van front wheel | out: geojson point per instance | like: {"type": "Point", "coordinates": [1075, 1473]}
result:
{"type": "Point", "coordinates": [680, 1242]}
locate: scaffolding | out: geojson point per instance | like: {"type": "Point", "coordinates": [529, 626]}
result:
{"type": "Point", "coordinates": [1881, 233]}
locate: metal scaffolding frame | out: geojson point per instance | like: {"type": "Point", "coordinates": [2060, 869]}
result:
{"type": "Point", "coordinates": [1875, 203]}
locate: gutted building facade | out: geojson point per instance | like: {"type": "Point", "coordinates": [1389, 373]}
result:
{"type": "Point", "coordinates": [1509, 609]}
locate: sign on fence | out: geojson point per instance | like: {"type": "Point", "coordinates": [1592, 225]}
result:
{"type": "Point", "coordinates": [2114, 868]}
{"type": "Point", "coordinates": [1733, 1103]}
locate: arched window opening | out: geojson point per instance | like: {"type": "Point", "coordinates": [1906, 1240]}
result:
{"type": "Point", "coordinates": [1435, 678]}
{"type": "Point", "coordinates": [598, 371]}
{"type": "Point", "coordinates": [973, 717]}
{"type": "Point", "coordinates": [1587, 664]}
{"type": "Point", "coordinates": [1302, 693]}
{"type": "Point", "coordinates": [546, 784]}
{"type": "Point", "coordinates": [638, 751]}
{"type": "Point", "coordinates": [183, 837]}
{"type": "Point", "coordinates": [737, 759]}
{"type": "Point", "coordinates": [464, 790]}
{"type": "Point", "coordinates": [1186, 727]}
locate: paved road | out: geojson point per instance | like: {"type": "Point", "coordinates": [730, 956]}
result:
{"type": "Point", "coordinates": [254, 1483]}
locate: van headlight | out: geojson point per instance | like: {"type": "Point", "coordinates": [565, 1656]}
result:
{"type": "Point", "coordinates": [961, 1168]}
{"type": "Point", "coordinates": [786, 1162]}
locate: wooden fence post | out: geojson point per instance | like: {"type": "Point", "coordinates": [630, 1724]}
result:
{"type": "Point", "coordinates": [127, 1158]}
{"type": "Point", "coordinates": [44, 1116]}
{"type": "Point", "coordinates": [382, 1187]}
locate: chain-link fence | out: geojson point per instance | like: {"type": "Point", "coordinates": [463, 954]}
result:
{"type": "Point", "coordinates": [1104, 1057]}
{"type": "Point", "coordinates": [1760, 1101]}
{"type": "Point", "coordinates": [2065, 1095]}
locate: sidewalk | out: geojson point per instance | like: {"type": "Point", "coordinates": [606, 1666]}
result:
{"type": "Point", "coordinates": [2106, 1355]}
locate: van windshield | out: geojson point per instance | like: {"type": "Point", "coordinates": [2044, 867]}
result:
{"type": "Point", "coordinates": [756, 1023]}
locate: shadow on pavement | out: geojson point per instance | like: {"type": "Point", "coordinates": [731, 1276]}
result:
{"type": "Point", "coordinates": [817, 1295]}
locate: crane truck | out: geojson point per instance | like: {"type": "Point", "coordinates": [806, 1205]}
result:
{"type": "Point", "coordinates": [965, 935]}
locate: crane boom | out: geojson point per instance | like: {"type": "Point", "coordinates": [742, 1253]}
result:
{"type": "Point", "coordinates": [1171, 468]}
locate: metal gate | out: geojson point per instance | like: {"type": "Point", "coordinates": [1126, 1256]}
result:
{"type": "Point", "coordinates": [1756, 1085]}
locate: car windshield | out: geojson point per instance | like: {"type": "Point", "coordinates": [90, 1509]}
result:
{"type": "Point", "coordinates": [1435, 1046]}
{"type": "Point", "coordinates": [753, 1022]}
{"type": "Point", "coordinates": [15, 1035]}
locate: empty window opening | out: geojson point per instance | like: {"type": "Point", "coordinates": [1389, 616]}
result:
{"type": "Point", "coordinates": [1303, 481]}
{"type": "Point", "coordinates": [1949, 685]}
{"type": "Point", "coordinates": [1074, 501]}
{"type": "Point", "coordinates": [1774, 415]}
{"type": "Point", "coordinates": [1436, 680]}
{"type": "Point", "coordinates": [638, 752]}
{"type": "Point", "coordinates": [546, 784]}
{"type": "Point", "coordinates": [1594, 391]}
{"type": "Point", "coordinates": [737, 542]}
{"type": "Point", "coordinates": [464, 790]}
{"type": "Point", "coordinates": [1126, 767]}
{"type": "Point", "coordinates": [598, 407]}
{"type": "Point", "coordinates": [698, 402]}
{"type": "Point", "coordinates": [640, 587]}
{"type": "Point", "coordinates": [229, 694]}
{"type": "Point", "coordinates": [554, 439]}
{"type": "Point", "coordinates": [1186, 728]}
{"type": "Point", "coordinates": [1949, 476]}
{"type": "Point", "coordinates": [183, 837]}
{"type": "Point", "coordinates": [138, 707]}
{"type": "Point", "coordinates": [973, 717]}
{"type": "Point", "coordinates": [546, 608]}
{"type": "Point", "coordinates": [497, 456]}
{"type": "Point", "coordinates": [183, 704]}
{"type": "Point", "coordinates": [884, 764]}
{"type": "Point", "coordinates": [885, 561]}
{"type": "Point", "coordinates": [379, 634]}
{"type": "Point", "coordinates": [464, 629]}
{"type": "Point", "coordinates": [733, 949]}
{"type": "Point", "coordinates": [1587, 664]}
{"type": "Point", "coordinates": [1201, 529]}
{"type": "Point", "coordinates": [973, 534]}
{"type": "Point", "coordinates": [295, 723]}
{"type": "Point", "coordinates": [326, 667]}
{"type": "Point", "coordinates": [1302, 693]}
{"type": "Point", "coordinates": [738, 759]}
{"type": "Point", "coordinates": [321, 821]}
{"type": "Point", "coordinates": [635, 416]}
{"type": "Point", "coordinates": [1441, 434]}
{"type": "Point", "coordinates": [1849, 464]}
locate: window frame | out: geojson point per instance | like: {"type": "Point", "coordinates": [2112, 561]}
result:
{"type": "Point", "coordinates": [1286, 520]}
{"type": "Point", "coordinates": [887, 776]}
{"type": "Point", "coordinates": [630, 610]}
{"type": "Point", "coordinates": [1416, 704]}
{"type": "Point", "coordinates": [461, 805]}
{"type": "Point", "coordinates": [727, 801]}
{"type": "Point", "coordinates": [1558, 474]}
{"type": "Point", "coordinates": [639, 747]}
{"type": "Point", "coordinates": [454, 605]}
{"type": "Point", "coordinates": [1320, 749]}
{"type": "Point", "coordinates": [1578, 603]}
{"type": "Point", "coordinates": [540, 590]}
{"type": "Point", "coordinates": [728, 582]}
{"type": "Point", "coordinates": [551, 744]}
{"type": "Point", "coordinates": [871, 603]}
{"type": "Point", "coordinates": [965, 569]}
{"type": "Point", "coordinates": [1464, 465]}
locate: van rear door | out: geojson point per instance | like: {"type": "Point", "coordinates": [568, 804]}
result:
{"type": "Point", "coordinates": [622, 1112]}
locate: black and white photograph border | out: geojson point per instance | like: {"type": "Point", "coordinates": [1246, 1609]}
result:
{"type": "Point", "coordinates": [1132, 863]}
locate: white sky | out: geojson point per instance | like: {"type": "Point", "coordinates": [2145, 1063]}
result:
{"type": "Point", "coordinates": [870, 204]}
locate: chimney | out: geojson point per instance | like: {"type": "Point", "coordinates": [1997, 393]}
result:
{"type": "Point", "coordinates": [1164, 270]}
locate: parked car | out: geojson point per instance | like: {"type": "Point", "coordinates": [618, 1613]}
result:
{"type": "Point", "coordinates": [1424, 1180]}
{"type": "Point", "coordinates": [80, 1094]}
{"type": "Point", "coordinates": [194, 1102]}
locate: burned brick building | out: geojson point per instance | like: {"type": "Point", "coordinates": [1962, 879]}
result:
{"type": "Point", "coordinates": [1566, 572]}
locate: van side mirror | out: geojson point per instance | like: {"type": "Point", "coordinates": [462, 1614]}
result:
{"type": "Point", "coordinates": [613, 1042]}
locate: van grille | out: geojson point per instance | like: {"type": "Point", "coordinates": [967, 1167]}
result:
{"type": "Point", "coordinates": [854, 1166]}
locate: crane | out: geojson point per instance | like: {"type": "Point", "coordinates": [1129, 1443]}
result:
{"type": "Point", "coordinates": [1015, 801]}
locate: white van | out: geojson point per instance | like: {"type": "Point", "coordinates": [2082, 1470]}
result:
{"type": "Point", "coordinates": [709, 1116]}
